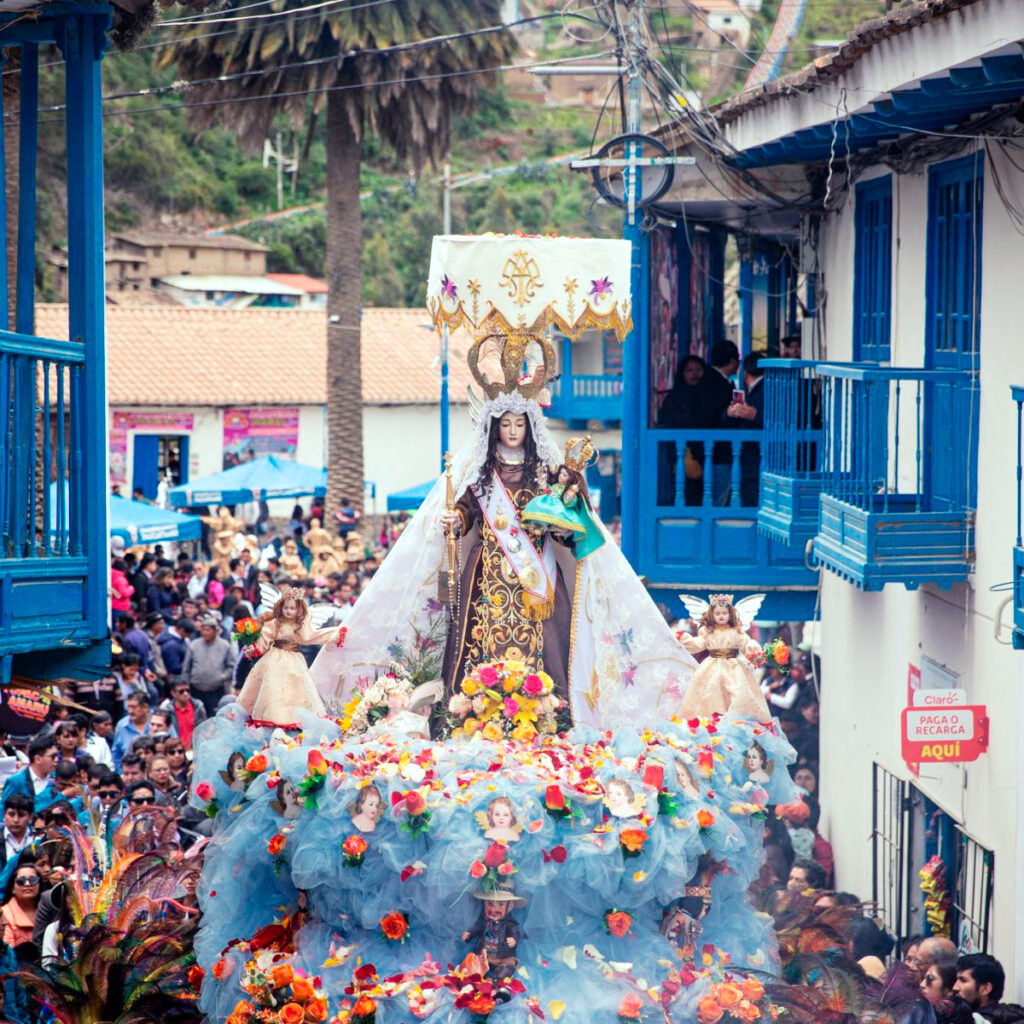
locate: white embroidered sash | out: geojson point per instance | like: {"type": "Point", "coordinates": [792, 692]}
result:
{"type": "Point", "coordinates": [535, 571]}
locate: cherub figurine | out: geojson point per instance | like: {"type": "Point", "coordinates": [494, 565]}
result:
{"type": "Point", "coordinates": [496, 932]}
{"type": "Point", "coordinates": [723, 682]}
{"type": "Point", "coordinates": [566, 507]}
{"type": "Point", "coordinates": [279, 682]}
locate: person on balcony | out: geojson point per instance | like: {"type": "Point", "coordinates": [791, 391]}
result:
{"type": "Point", "coordinates": [747, 414]}
{"type": "Point", "coordinates": [725, 361]}
{"type": "Point", "coordinates": [686, 406]}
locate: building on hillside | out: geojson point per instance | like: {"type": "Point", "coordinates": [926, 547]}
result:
{"type": "Point", "coordinates": [189, 387]}
{"type": "Point", "coordinates": [891, 220]}
{"type": "Point", "coordinates": [165, 254]}
{"type": "Point", "coordinates": [228, 291]}
{"type": "Point", "coordinates": [314, 291]}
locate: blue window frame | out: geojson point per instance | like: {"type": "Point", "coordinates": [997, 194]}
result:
{"type": "Point", "coordinates": [872, 270]}
{"type": "Point", "coordinates": [953, 320]}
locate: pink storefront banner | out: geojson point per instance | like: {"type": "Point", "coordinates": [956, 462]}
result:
{"type": "Point", "coordinates": [261, 432]}
{"type": "Point", "coordinates": [151, 422]}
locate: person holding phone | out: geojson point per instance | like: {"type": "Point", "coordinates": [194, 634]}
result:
{"type": "Point", "coordinates": [746, 412]}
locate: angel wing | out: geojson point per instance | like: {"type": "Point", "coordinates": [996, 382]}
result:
{"type": "Point", "coordinates": [748, 608]}
{"type": "Point", "coordinates": [695, 606]}
{"type": "Point", "coordinates": [269, 595]}
{"type": "Point", "coordinates": [320, 614]}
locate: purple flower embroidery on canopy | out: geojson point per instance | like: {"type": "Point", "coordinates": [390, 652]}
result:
{"type": "Point", "coordinates": [599, 289]}
{"type": "Point", "coordinates": [448, 287]}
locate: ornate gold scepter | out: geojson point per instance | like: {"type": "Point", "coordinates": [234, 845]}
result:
{"type": "Point", "coordinates": [452, 542]}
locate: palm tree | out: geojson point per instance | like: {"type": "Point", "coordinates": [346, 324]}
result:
{"type": "Point", "coordinates": [377, 70]}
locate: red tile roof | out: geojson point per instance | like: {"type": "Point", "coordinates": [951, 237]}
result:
{"type": "Point", "coordinates": [216, 357]}
{"type": "Point", "coordinates": [302, 281]}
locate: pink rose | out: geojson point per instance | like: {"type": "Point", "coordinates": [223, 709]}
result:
{"type": "Point", "coordinates": [507, 868]}
{"type": "Point", "coordinates": [477, 869]}
{"type": "Point", "coordinates": [488, 676]}
{"type": "Point", "coordinates": [533, 686]}
{"type": "Point", "coordinates": [204, 791]}
{"type": "Point", "coordinates": [511, 707]}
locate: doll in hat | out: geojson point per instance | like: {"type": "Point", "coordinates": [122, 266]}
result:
{"type": "Point", "coordinates": [495, 935]}
{"type": "Point", "coordinates": [566, 508]}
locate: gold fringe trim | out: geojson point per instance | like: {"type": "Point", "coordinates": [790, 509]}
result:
{"type": "Point", "coordinates": [538, 609]}
{"type": "Point", "coordinates": [619, 318]}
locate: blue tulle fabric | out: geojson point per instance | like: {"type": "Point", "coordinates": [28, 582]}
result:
{"type": "Point", "coordinates": [570, 871]}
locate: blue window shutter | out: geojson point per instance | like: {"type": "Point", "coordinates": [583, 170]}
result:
{"type": "Point", "coordinates": [872, 270]}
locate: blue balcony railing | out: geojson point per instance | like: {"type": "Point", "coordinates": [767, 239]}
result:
{"type": "Point", "coordinates": [791, 460]}
{"type": "Point", "coordinates": [698, 511]}
{"type": "Point", "coordinates": [1018, 550]}
{"type": "Point", "coordinates": [898, 475]}
{"type": "Point", "coordinates": [584, 397]}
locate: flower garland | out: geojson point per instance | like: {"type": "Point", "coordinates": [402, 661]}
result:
{"type": "Point", "coordinates": [733, 1001]}
{"type": "Point", "coordinates": [936, 896]}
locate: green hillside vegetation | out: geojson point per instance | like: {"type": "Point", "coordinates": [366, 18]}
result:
{"type": "Point", "coordinates": [161, 176]}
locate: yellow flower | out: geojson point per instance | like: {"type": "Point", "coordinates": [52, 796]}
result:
{"type": "Point", "coordinates": [470, 687]}
{"type": "Point", "coordinates": [514, 667]}
{"type": "Point", "coordinates": [492, 731]}
{"type": "Point", "coordinates": [509, 685]}
{"type": "Point", "coordinates": [549, 683]}
{"type": "Point", "coordinates": [470, 726]}
{"type": "Point", "coordinates": [524, 733]}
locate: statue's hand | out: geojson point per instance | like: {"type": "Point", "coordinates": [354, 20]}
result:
{"type": "Point", "coordinates": [451, 521]}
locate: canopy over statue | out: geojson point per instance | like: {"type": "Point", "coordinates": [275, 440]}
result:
{"type": "Point", "coordinates": [551, 591]}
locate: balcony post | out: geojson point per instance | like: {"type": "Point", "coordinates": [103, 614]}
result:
{"type": "Point", "coordinates": [82, 40]}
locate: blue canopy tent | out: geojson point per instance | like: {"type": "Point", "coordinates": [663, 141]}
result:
{"type": "Point", "coordinates": [258, 480]}
{"type": "Point", "coordinates": [409, 500]}
{"type": "Point", "coordinates": [135, 522]}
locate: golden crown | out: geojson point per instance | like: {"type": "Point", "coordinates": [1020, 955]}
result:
{"type": "Point", "coordinates": [498, 363]}
{"type": "Point", "coordinates": [292, 594]}
{"type": "Point", "coordinates": [580, 453]}
{"type": "Point", "coordinates": [723, 600]}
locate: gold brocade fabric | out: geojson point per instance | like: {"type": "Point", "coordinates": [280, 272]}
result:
{"type": "Point", "coordinates": [498, 626]}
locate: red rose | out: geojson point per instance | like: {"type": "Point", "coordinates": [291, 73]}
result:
{"type": "Point", "coordinates": [204, 791]}
{"type": "Point", "coordinates": [554, 798]}
{"type": "Point", "coordinates": [195, 976]}
{"type": "Point", "coordinates": [316, 763]}
{"type": "Point", "coordinates": [394, 926]}
{"type": "Point", "coordinates": [276, 844]}
{"type": "Point", "coordinates": [415, 803]}
{"type": "Point", "coordinates": [495, 855]}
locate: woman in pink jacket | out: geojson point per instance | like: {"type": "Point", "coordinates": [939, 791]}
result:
{"type": "Point", "coordinates": [120, 589]}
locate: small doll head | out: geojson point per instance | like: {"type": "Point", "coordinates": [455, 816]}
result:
{"type": "Point", "coordinates": [291, 606]}
{"type": "Point", "coordinates": [571, 481]}
{"type": "Point", "coordinates": [500, 813]}
{"type": "Point", "coordinates": [236, 766]}
{"type": "Point", "coordinates": [496, 910]}
{"type": "Point", "coordinates": [722, 613]}
{"type": "Point", "coordinates": [755, 759]}
{"type": "Point", "coordinates": [368, 802]}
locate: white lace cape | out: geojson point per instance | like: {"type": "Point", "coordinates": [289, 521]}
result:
{"type": "Point", "coordinates": [626, 666]}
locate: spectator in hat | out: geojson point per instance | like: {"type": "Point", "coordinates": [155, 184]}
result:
{"type": "Point", "coordinates": [155, 626]}
{"type": "Point", "coordinates": [209, 664]}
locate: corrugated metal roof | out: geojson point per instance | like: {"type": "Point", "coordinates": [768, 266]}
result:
{"type": "Point", "coordinates": [155, 239]}
{"type": "Point", "coordinates": [229, 283]}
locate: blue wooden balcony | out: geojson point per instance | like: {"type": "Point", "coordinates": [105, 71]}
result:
{"type": "Point", "coordinates": [698, 519]}
{"type": "Point", "coordinates": [899, 475]}
{"type": "Point", "coordinates": [54, 573]}
{"type": "Point", "coordinates": [581, 398]}
{"type": "Point", "coordinates": [791, 459]}
{"type": "Point", "coordinates": [1018, 550]}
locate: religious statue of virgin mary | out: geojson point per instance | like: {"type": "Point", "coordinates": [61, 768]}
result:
{"type": "Point", "coordinates": [524, 588]}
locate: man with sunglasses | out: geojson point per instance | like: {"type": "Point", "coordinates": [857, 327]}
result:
{"type": "Point", "coordinates": [140, 794]}
{"type": "Point", "coordinates": [36, 780]}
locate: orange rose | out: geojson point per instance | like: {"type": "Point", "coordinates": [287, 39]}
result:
{"type": "Point", "coordinates": [747, 1011]}
{"type": "Point", "coordinates": [365, 1007]}
{"type": "Point", "coordinates": [481, 1005]}
{"type": "Point", "coordinates": [633, 839]}
{"type": "Point", "coordinates": [316, 1010]}
{"type": "Point", "coordinates": [354, 846]}
{"type": "Point", "coordinates": [708, 1011]}
{"type": "Point", "coordinates": [782, 654]}
{"type": "Point", "coordinates": [219, 968]}
{"type": "Point", "coordinates": [630, 1006]}
{"type": "Point", "coordinates": [292, 1013]}
{"type": "Point", "coordinates": [705, 819]}
{"type": "Point", "coordinates": [276, 844]}
{"type": "Point", "coordinates": [753, 989]}
{"type": "Point", "coordinates": [316, 763]}
{"type": "Point", "coordinates": [415, 803]}
{"type": "Point", "coordinates": [729, 994]}
{"type": "Point", "coordinates": [281, 975]}
{"type": "Point", "coordinates": [394, 926]}
{"type": "Point", "coordinates": [619, 922]}
{"type": "Point", "coordinates": [257, 763]}
{"type": "Point", "coordinates": [242, 1008]}
{"type": "Point", "coordinates": [302, 988]}
{"type": "Point", "coordinates": [195, 976]}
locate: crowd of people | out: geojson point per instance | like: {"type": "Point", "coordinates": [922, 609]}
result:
{"type": "Point", "coordinates": [122, 746]}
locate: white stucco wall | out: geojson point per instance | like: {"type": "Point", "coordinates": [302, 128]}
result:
{"type": "Point", "coordinates": [869, 639]}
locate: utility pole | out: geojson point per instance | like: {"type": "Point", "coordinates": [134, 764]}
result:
{"type": "Point", "coordinates": [285, 165]}
{"type": "Point", "coordinates": [280, 172]}
{"type": "Point", "coordinates": [446, 186]}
